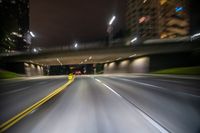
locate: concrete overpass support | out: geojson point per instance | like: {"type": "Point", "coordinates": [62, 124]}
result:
{"type": "Point", "coordinates": [33, 70]}
{"type": "Point", "coordinates": [149, 63]}
{"type": "Point", "coordinates": [138, 65]}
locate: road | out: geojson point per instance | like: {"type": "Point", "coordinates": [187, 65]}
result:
{"type": "Point", "coordinates": [16, 95]}
{"type": "Point", "coordinates": [106, 104]}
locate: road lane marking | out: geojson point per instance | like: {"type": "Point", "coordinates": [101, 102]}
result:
{"type": "Point", "coordinates": [141, 83]}
{"type": "Point", "coordinates": [146, 116]}
{"type": "Point", "coordinates": [159, 87]}
{"type": "Point", "coordinates": [98, 80]}
{"type": "Point", "coordinates": [155, 124]}
{"type": "Point", "coordinates": [30, 109]}
{"type": "Point", "coordinates": [111, 90]}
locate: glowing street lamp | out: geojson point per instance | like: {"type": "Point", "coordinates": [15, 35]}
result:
{"type": "Point", "coordinates": [134, 39]}
{"type": "Point", "coordinates": [76, 45]}
{"type": "Point", "coordinates": [110, 28]}
{"type": "Point", "coordinates": [112, 20]}
{"type": "Point", "coordinates": [33, 35]}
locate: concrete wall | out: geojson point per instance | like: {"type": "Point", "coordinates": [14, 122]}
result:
{"type": "Point", "coordinates": [138, 65]}
{"type": "Point", "coordinates": [151, 63]}
{"type": "Point", "coordinates": [33, 70]}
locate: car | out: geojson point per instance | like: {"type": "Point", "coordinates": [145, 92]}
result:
{"type": "Point", "coordinates": [77, 72]}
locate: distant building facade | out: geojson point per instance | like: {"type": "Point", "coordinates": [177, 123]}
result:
{"type": "Point", "coordinates": [14, 25]}
{"type": "Point", "coordinates": [151, 19]}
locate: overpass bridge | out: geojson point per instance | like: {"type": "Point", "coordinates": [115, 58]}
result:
{"type": "Point", "coordinates": [101, 54]}
{"type": "Point", "coordinates": [157, 55]}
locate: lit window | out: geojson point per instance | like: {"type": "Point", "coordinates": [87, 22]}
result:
{"type": "Point", "coordinates": [162, 2]}
{"type": "Point", "coordinates": [144, 19]}
{"type": "Point", "coordinates": [179, 9]}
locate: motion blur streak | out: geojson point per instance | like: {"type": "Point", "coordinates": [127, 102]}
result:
{"type": "Point", "coordinates": [118, 104]}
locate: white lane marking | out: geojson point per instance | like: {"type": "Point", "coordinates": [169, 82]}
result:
{"type": "Point", "coordinates": [98, 80]}
{"type": "Point", "coordinates": [111, 90]}
{"type": "Point", "coordinates": [108, 87]}
{"type": "Point", "coordinates": [159, 87]}
{"type": "Point", "coordinates": [141, 83]}
{"type": "Point", "coordinates": [13, 91]}
{"type": "Point", "coordinates": [154, 123]}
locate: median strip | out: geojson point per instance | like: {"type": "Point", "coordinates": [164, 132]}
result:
{"type": "Point", "coordinates": [30, 109]}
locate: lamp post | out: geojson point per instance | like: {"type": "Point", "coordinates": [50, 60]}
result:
{"type": "Point", "coordinates": [110, 29]}
{"type": "Point", "coordinates": [28, 39]}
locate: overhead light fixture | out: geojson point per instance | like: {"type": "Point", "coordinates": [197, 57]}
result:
{"type": "Point", "coordinates": [144, 1]}
{"type": "Point", "coordinates": [90, 57]}
{"type": "Point", "coordinates": [119, 58]}
{"type": "Point", "coordinates": [108, 61]}
{"type": "Point", "coordinates": [76, 45]}
{"type": "Point", "coordinates": [112, 20]}
{"type": "Point", "coordinates": [195, 35]}
{"type": "Point", "coordinates": [16, 34]}
{"type": "Point", "coordinates": [35, 50]}
{"type": "Point", "coordinates": [9, 39]}
{"type": "Point", "coordinates": [132, 55]}
{"type": "Point", "coordinates": [32, 34]}
{"type": "Point", "coordinates": [59, 62]}
{"type": "Point", "coordinates": [134, 39]}
{"type": "Point", "coordinates": [85, 60]}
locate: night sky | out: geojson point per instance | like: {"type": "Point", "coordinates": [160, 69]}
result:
{"type": "Point", "coordinates": [194, 16]}
{"type": "Point", "coordinates": [61, 22]}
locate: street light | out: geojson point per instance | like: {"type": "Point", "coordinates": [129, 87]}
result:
{"type": "Point", "coordinates": [59, 62]}
{"type": "Point", "coordinates": [134, 39]}
{"type": "Point", "coordinates": [195, 36]}
{"type": "Point", "coordinates": [32, 34]}
{"type": "Point", "coordinates": [110, 28]}
{"type": "Point", "coordinates": [35, 50]}
{"type": "Point", "coordinates": [76, 45]}
{"type": "Point", "coordinates": [112, 20]}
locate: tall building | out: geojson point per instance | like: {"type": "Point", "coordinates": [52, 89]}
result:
{"type": "Point", "coordinates": [151, 19]}
{"type": "Point", "coordinates": [14, 24]}
{"type": "Point", "coordinates": [174, 18]}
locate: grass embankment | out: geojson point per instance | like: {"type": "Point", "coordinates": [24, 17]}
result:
{"type": "Point", "coordinates": [7, 74]}
{"type": "Point", "coordinates": [180, 71]}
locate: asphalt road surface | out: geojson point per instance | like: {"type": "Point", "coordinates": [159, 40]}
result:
{"type": "Point", "coordinates": [105, 104]}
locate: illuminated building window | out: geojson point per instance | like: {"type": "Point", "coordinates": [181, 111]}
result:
{"type": "Point", "coordinates": [179, 9]}
{"type": "Point", "coordinates": [144, 19]}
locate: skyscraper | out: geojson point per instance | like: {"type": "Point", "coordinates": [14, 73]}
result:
{"type": "Point", "coordinates": [151, 19]}
{"type": "Point", "coordinates": [14, 24]}
{"type": "Point", "coordinates": [174, 18]}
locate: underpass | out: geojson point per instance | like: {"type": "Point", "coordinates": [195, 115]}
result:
{"type": "Point", "coordinates": [114, 101]}
{"type": "Point", "coordinates": [141, 58]}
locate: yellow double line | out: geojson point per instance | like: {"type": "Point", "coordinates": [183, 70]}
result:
{"type": "Point", "coordinates": [27, 111]}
